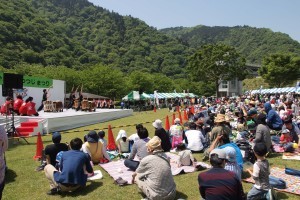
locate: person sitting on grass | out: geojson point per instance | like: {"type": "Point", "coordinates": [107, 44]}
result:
{"type": "Point", "coordinates": [72, 174]}
{"type": "Point", "coordinates": [154, 176]}
{"type": "Point", "coordinates": [260, 173]}
{"type": "Point", "coordinates": [51, 150]}
{"type": "Point", "coordinates": [186, 157]}
{"type": "Point", "coordinates": [217, 182]}
{"type": "Point", "coordinates": [94, 148]}
{"type": "Point", "coordinates": [273, 120]}
{"type": "Point", "coordinates": [122, 142]}
{"type": "Point", "coordinates": [139, 148]}
{"type": "Point", "coordinates": [101, 135]}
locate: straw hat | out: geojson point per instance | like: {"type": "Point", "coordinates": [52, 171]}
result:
{"type": "Point", "coordinates": [220, 118]}
{"type": "Point", "coordinates": [154, 143]}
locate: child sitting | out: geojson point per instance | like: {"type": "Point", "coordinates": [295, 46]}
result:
{"type": "Point", "coordinates": [242, 133]}
{"type": "Point", "coordinates": [260, 173]}
{"type": "Point", "coordinates": [122, 142]}
{"type": "Point", "coordinates": [286, 141]}
{"type": "Point", "coordinates": [101, 135]}
{"type": "Point", "coordinates": [185, 156]}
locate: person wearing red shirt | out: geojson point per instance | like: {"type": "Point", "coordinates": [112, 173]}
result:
{"type": "Point", "coordinates": [31, 107]}
{"type": "Point", "coordinates": [5, 108]}
{"type": "Point", "coordinates": [17, 104]}
{"type": "Point", "coordinates": [23, 108]}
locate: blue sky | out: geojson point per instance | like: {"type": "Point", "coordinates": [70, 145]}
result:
{"type": "Point", "coordinates": [278, 15]}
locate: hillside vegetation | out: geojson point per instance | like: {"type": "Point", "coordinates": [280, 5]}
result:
{"type": "Point", "coordinates": [252, 43]}
{"type": "Point", "coordinates": [75, 33]}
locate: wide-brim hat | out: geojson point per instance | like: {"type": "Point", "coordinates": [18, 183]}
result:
{"type": "Point", "coordinates": [92, 137]}
{"type": "Point", "coordinates": [154, 143]}
{"type": "Point", "coordinates": [220, 118]}
{"type": "Point", "coordinates": [157, 124]}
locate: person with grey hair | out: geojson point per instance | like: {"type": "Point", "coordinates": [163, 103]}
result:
{"type": "Point", "coordinates": [153, 175]}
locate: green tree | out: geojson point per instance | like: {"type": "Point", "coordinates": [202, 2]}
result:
{"type": "Point", "coordinates": [216, 63]}
{"type": "Point", "coordinates": [141, 81]}
{"type": "Point", "coordinates": [254, 83]}
{"type": "Point", "coordinates": [280, 70]}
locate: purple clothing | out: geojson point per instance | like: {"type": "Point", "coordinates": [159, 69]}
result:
{"type": "Point", "coordinates": [220, 184]}
{"type": "Point", "coordinates": [72, 168]}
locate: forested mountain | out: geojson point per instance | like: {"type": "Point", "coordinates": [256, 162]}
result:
{"type": "Point", "coordinates": [253, 43]}
{"type": "Point", "coordinates": [77, 34]}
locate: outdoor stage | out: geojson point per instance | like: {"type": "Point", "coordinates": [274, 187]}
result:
{"type": "Point", "coordinates": [48, 122]}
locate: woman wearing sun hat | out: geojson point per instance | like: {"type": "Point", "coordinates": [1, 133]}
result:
{"type": "Point", "coordinates": [154, 176]}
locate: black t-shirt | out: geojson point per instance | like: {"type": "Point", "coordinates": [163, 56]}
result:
{"type": "Point", "coordinates": [45, 96]}
{"type": "Point", "coordinates": [53, 149]}
{"type": "Point", "coordinates": [165, 140]}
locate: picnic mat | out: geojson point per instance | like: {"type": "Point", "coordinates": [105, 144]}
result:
{"type": "Point", "coordinates": [291, 156]}
{"type": "Point", "coordinates": [278, 148]}
{"type": "Point", "coordinates": [183, 169]}
{"type": "Point", "coordinates": [292, 182]}
{"type": "Point", "coordinates": [117, 168]}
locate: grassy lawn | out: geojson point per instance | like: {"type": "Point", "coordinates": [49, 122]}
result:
{"type": "Point", "coordinates": [23, 182]}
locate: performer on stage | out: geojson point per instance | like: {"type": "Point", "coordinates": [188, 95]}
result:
{"type": "Point", "coordinates": [80, 98]}
{"type": "Point", "coordinates": [72, 97]}
{"type": "Point", "coordinates": [17, 104]}
{"type": "Point", "coordinates": [31, 107]}
{"type": "Point", "coordinates": [45, 97]}
{"type": "Point", "coordinates": [7, 106]}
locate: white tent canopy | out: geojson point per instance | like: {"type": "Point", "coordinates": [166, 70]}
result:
{"type": "Point", "coordinates": [276, 90]}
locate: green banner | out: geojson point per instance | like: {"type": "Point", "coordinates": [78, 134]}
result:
{"type": "Point", "coordinates": [30, 81]}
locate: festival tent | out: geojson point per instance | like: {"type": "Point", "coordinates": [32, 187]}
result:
{"type": "Point", "coordinates": [276, 90]}
{"type": "Point", "coordinates": [135, 95]}
{"type": "Point", "coordinates": [173, 95]}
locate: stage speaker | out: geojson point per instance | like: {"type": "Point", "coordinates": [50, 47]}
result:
{"type": "Point", "coordinates": [7, 92]}
{"type": "Point", "coordinates": [13, 81]}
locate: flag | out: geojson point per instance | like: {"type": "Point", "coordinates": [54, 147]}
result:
{"type": "Point", "coordinates": [156, 97]}
{"type": "Point", "coordinates": [260, 89]}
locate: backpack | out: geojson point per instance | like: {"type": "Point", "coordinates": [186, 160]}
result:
{"type": "Point", "coordinates": [246, 150]}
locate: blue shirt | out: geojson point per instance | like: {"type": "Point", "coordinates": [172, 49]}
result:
{"type": "Point", "coordinates": [239, 156]}
{"type": "Point", "coordinates": [71, 167]}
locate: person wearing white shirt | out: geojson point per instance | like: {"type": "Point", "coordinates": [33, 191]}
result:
{"type": "Point", "coordinates": [194, 139]}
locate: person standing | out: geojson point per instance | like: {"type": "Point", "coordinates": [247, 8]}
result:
{"type": "Point", "coordinates": [80, 99]}
{"type": "Point", "coordinates": [44, 98]}
{"type": "Point", "coordinates": [72, 98]}
{"type": "Point", "coordinates": [3, 148]}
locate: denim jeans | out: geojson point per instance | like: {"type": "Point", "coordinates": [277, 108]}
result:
{"type": "Point", "coordinates": [131, 164]}
{"type": "Point", "coordinates": [255, 193]}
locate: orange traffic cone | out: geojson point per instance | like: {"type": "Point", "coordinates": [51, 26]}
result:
{"type": "Point", "coordinates": [179, 116]}
{"type": "Point", "coordinates": [185, 117]}
{"type": "Point", "coordinates": [39, 148]}
{"type": "Point", "coordinates": [173, 119]}
{"type": "Point", "coordinates": [167, 124]}
{"type": "Point", "coordinates": [154, 109]}
{"type": "Point", "coordinates": [111, 140]}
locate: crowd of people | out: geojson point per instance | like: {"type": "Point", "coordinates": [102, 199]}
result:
{"type": "Point", "coordinates": [214, 128]}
